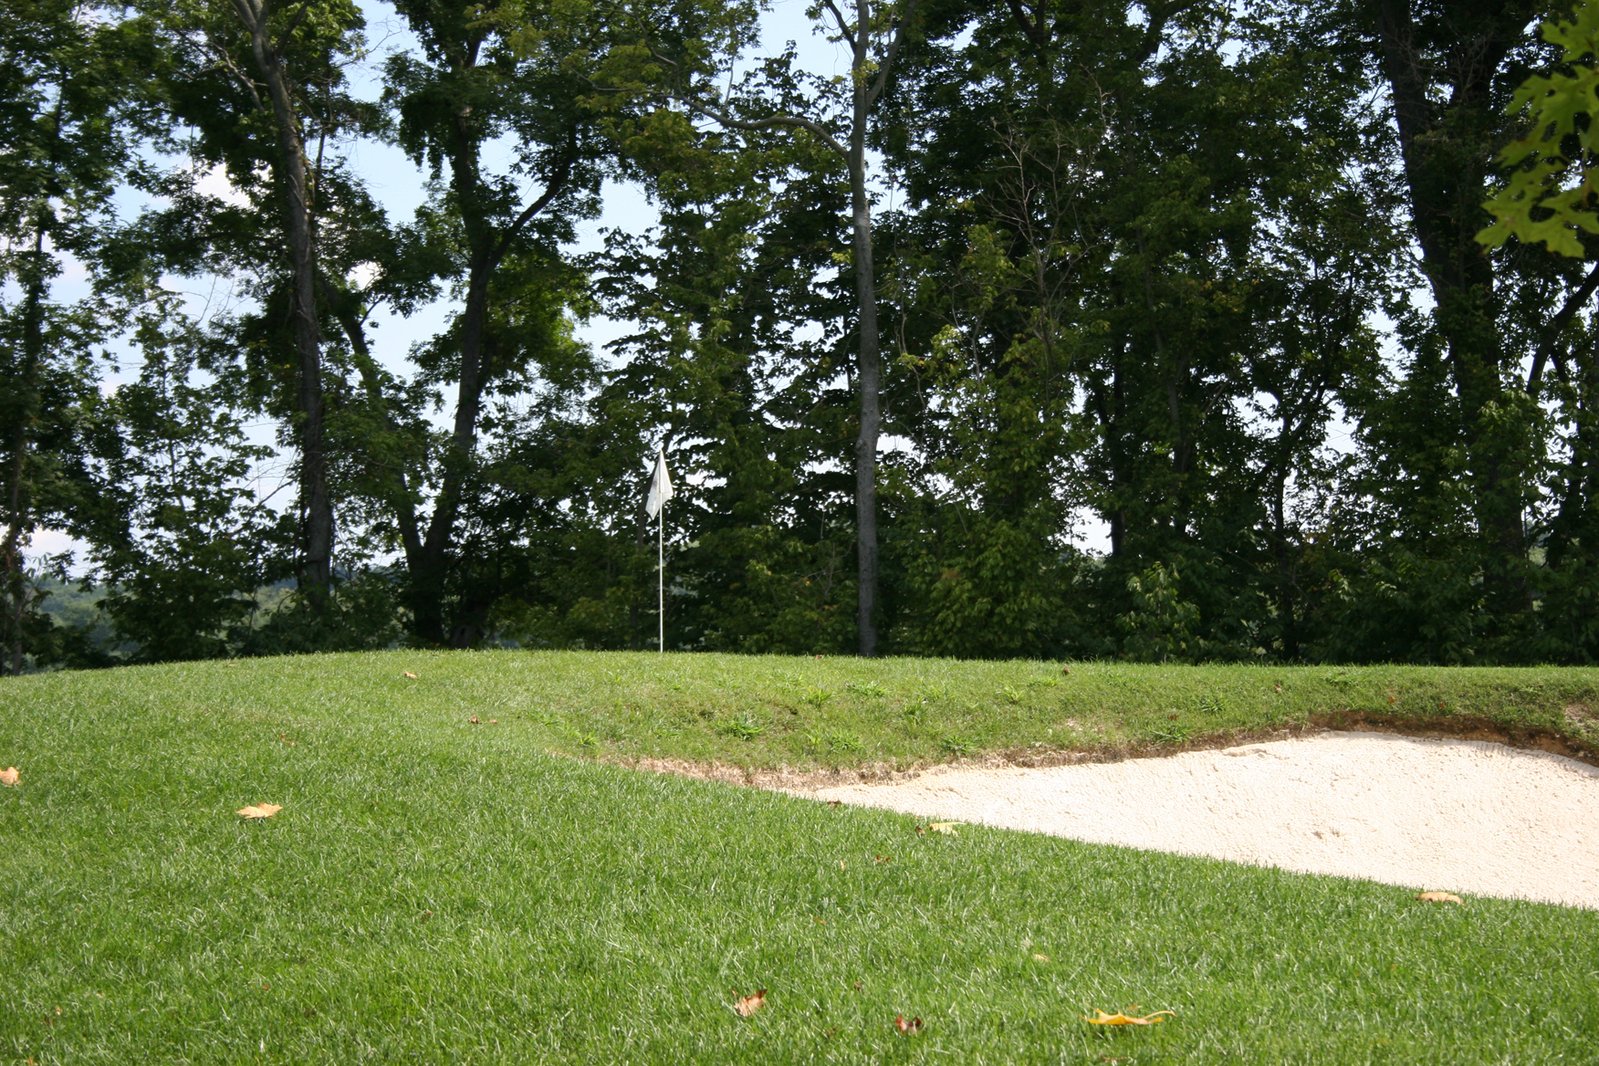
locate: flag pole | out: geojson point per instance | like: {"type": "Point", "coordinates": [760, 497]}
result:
{"type": "Point", "coordinates": [660, 575]}
{"type": "Point", "coordinates": [655, 507]}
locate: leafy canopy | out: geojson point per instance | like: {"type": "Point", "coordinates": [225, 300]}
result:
{"type": "Point", "coordinates": [1551, 196]}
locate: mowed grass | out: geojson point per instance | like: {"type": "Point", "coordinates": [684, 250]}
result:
{"type": "Point", "coordinates": [437, 890]}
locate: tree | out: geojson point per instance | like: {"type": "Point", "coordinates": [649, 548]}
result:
{"type": "Point", "coordinates": [1549, 196]}
{"type": "Point", "coordinates": [726, 365]}
{"type": "Point", "coordinates": [875, 36]}
{"type": "Point", "coordinates": [1446, 67]}
{"type": "Point", "coordinates": [176, 528]}
{"type": "Point", "coordinates": [485, 73]}
{"type": "Point", "coordinates": [1141, 244]}
{"type": "Point", "coordinates": [250, 83]}
{"type": "Point", "coordinates": [63, 150]}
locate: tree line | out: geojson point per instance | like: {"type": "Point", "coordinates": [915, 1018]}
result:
{"type": "Point", "coordinates": [1292, 301]}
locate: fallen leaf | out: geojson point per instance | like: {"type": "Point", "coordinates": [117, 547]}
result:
{"type": "Point", "coordinates": [1039, 956]}
{"type": "Point", "coordinates": [255, 812]}
{"type": "Point", "coordinates": [907, 1027]}
{"type": "Point", "coordinates": [748, 1005]}
{"type": "Point", "coordinates": [473, 719]}
{"type": "Point", "coordinates": [1101, 1018]}
{"type": "Point", "coordinates": [947, 828]}
{"type": "Point", "coordinates": [1438, 897]}
{"type": "Point", "coordinates": [882, 860]}
{"type": "Point", "coordinates": [9, 777]}
{"type": "Point", "coordinates": [409, 675]}
{"type": "Point", "coordinates": [494, 721]}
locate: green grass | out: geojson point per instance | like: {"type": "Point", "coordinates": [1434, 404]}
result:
{"type": "Point", "coordinates": [435, 890]}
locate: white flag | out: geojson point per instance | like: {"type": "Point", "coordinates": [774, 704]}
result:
{"type": "Point", "coordinates": [660, 487]}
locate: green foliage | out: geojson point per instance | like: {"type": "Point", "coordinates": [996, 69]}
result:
{"type": "Point", "coordinates": [179, 536]}
{"type": "Point", "coordinates": [64, 144]}
{"type": "Point", "coordinates": [1552, 193]}
{"type": "Point", "coordinates": [1161, 626]}
{"type": "Point", "coordinates": [1141, 269]}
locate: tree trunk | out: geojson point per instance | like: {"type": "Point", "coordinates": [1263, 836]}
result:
{"type": "Point", "coordinates": [1446, 149]}
{"type": "Point", "coordinates": [429, 577]}
{"type": "Point", "coordinates": [870, 386]}
{"type": "Point", "coordinates": [19, 505]}
{"type": "Point", "coordinates": [316, 502]}
{"type": "Point", "coordinates": [430, 574]}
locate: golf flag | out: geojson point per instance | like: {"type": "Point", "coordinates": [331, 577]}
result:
{"type": "Point", "coordinates": [660, 487]}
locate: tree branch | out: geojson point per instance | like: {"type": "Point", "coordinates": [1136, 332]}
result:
{"type": "Point", "coordinates": [843, 26]}
{"type": "Point", "coordinates": [1557, 326]}
{"type": "Point", "coordinates": [1034, 29]}
{"type": "Point", "coordinates": [1157, 26]}
{"type": "Point", "coordinates": [773, 122]}
{"type": "Point", "coordinates": [295, 20]}
{"type": "Point", "coordinates": [556, 184]}
{"type": "Point", "coordinates": [889, 56]}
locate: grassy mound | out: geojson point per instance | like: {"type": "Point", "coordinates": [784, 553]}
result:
{"type": "Point", "coordinates": [443, 890]}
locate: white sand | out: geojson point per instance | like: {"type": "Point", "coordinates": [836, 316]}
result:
{"type": "Point", "coordinates": [1464, 816]}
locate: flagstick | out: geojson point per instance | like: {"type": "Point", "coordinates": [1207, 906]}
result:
{"type": "Point", "coordinates": [660, 574]}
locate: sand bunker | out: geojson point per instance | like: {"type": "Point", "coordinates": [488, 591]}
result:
{"type": "Point", "coordinates": [1458, 815]}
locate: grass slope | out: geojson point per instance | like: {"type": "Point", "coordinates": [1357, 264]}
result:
{"type": "Point", "coordinates": [435, 890]}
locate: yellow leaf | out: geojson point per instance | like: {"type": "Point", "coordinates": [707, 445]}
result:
{"type": "Point", "coordinates": [409, 675]}
{"type": "Point", "coordinates": [255, 812]}
{"type": "Point", "coordinates": [948, 828]}
{"type": "Point", "coordinates": [748, 1005]}
{"type": "Point", "coordinates": [1438, 897]}
{"type": "Point", "coordinates": [9, 777]}
{"type": "Point", "coordinates": [1101, 1018]}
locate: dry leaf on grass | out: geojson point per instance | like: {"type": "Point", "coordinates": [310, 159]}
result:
{"type": "Point", "coordinates": [9, 777]}
{"type": "Point", "coordinates": [1438, 897]}
{"type": "Point", "coordinates": [257, 811]}
{"type": "Point", "coordinates": [947, 828]}
{"type": "Point", "coordinates": [913, 1025]}
{"type": "Point", "coordinates": [1101, 1018]}
{"type": "Point", "coordinates": [748, 1005]}
{"type": "Point", "coordinates": [409, 675]}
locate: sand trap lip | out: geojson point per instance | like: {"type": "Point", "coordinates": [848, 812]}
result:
{"type": "Point", "coordinates": [1466, 816]}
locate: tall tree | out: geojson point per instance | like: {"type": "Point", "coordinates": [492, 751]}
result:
{"type": "Point", "coordinates": [1449, 69]}
{"type": "Point", "coordinates": [62, 151]}
{"type": "Point", "coordinates": [726, 365]}
{"type": "Point", "coordinates": [875, 35]}
{"type": "Point", "coordinates": [487, 73]}
{"type": "Point", "coordinates": [250, 84]}
{"type": "Point", "coordinates": [1145, 261]}
{"type": "Point", "coordinates": [1547, 197]}
{"type": "Point", "coordinates": [269, 54]}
